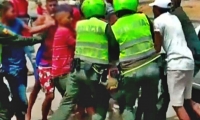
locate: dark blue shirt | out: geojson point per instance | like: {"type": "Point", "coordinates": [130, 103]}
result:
{"type": "Point", "coordinates": [13, 57]}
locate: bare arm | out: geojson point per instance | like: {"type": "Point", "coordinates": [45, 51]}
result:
{"type": "Point", "coordinates": [9, 37]}
{"type": "Point", "coordinates": [36, 29]}
{"type": "Point", "coordinates": [158, 34]}
{"type": "Point", "coordinates": [158, 41]}
{"type": "Point", "coordinates": [40, 25]}
{"type": "Point", "coordinates": [39, 21]}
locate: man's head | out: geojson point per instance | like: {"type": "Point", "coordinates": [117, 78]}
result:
{"type": "Point", "coordinates": [7, 10]}
{"type": "Point", "coordinates": [64, 15]}
{"type": "Point", "coordinates": [39, 3]}
{"type": "Point", "coordinates": [93, 8]}
{"type": "Point", "coordinates": [176, 3]}
{"type": "Point", "coordinates": [160, 7]}
{"type": "Point", "coordinates": [51, 6]}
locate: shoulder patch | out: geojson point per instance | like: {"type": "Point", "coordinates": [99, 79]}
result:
{"type": "Point", "coordinates": [7, 32]}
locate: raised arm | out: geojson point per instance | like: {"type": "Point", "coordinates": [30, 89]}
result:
{"type": "Point", "coordinates": [9, 37]}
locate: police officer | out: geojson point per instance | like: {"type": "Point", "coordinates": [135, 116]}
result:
{"type": "Point", "coordinates": [96, 50]}
{"type": "Point", "coordinates": [138, 59]}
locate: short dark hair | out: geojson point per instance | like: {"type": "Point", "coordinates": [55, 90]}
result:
{"type": "Point", "coordinates": [51, 0]}
{"type": "Point", "coordinates": [164, 10]}
{"type": "Point", "coordinates": [177, 3]}
{"type": "Point", "coordinates": [64, 8]}
{"type": "Point", "coordinates": [5, 5]}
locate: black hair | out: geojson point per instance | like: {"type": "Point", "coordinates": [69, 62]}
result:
{"type": "Point", "coordinates": [39, 3]}
{"type": "Point", "coordinates": [5, 5]}
{"type": "Point", "coordinates": [177, 3]}
{"type": "Point", "coordinates": [199, 34]}
{"type": "Point", "coordinates": [51, 1]}
{"type": "Point", "coordinates": [164, 10]}
{"type": "Point", "coordinates": [65, 8]}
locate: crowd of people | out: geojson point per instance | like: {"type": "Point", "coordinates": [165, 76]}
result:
{"type": "Point", "coordinates": [95, 51]}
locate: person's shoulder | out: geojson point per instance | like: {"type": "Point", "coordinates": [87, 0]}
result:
{"type": "Point", "coordinates": [63, 31]}
{"type": "Point", "coordinates": [158, 20]}
{"type": "Point", "coordinates": [163, 18]}
{"type": "Point", "coordinates": [18, 20]}
{"type": "Point", "coordinates": [41, 17]}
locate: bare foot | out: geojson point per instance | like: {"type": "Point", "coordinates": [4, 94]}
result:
{"type": "Point", "coordinates": [50, 112]}
{"type": "Point", "coordinates": [196, 108]}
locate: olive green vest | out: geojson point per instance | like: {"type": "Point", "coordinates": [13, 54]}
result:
{"type": "Point", "coordinates": [134, 36]}
{"type": "Point", "coordinates": [91, 41]}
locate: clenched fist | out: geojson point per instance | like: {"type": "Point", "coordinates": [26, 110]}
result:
{"type": "Point", "coordinates": [112, 83]}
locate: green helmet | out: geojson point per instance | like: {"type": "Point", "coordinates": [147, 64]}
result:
{"type": "Point", "coordinates": [91, 8]}
{"type": "Point", "coordinates": [125, 5]}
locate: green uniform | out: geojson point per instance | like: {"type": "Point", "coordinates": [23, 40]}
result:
{"type": "Point", "coordinates": [138, 61]}
{"type": "Point", "coordinates": [8, 37]}
{"type": "Point", "coordinates": [94, 50]}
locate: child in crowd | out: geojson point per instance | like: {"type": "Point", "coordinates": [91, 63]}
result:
{"type": "Point", "coordinates": [63, 53]}
{"type": "Point", "coordinates": [40, 9]}
{"type": "Point", "coordinates": [64, 43]}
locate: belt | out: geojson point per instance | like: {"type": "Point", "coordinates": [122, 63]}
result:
{"type": "Point", "coordinates": [79, 64]}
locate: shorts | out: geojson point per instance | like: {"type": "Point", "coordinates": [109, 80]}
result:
{"type": "Point", "coordinates": [45, 79]}
{"type": "Point", "coordinates": [179, 85]}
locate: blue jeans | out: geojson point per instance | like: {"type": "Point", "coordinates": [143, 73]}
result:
{"type": "Point", "coordinates": [18, 84]}
{"type": "Point", "coordinates": [4, 100]}
{"type": "Point", "coordinates": [29, 50]}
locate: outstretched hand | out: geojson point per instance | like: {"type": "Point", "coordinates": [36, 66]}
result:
{"type": "Point", "coordinates": [112, 83]}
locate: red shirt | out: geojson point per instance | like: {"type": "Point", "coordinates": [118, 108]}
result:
{"type": "Point", "coordinates": [76, 16]}
{"type": "Point", "coordinates": [63, 51]}
{"type": "Point", "coordinates": [21, 7]}
{"type": "Point", "coordinates": [40, 10]}
{"type": "Point", "coordinates": [46, 59]}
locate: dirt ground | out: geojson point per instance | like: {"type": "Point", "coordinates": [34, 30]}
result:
{"type": "Point", "coordinates": [192, 8]}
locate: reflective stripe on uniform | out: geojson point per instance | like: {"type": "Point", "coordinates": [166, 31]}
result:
{"type": "Point", "coordinates": [90, 59]}
{"type": "Point", "coordinates": [135, 41]}
{"type": "Point", "coordinates": [96, 45]}
{"type": "Point", "coordinates": [140, 66]}
{"type": "Point", "coordinates": [136, 57]}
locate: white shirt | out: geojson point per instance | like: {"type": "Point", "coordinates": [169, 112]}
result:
{"type": "Point", "coordinates": [179, 56]}
{"type": "Point", "coordinates": [197, 29]}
